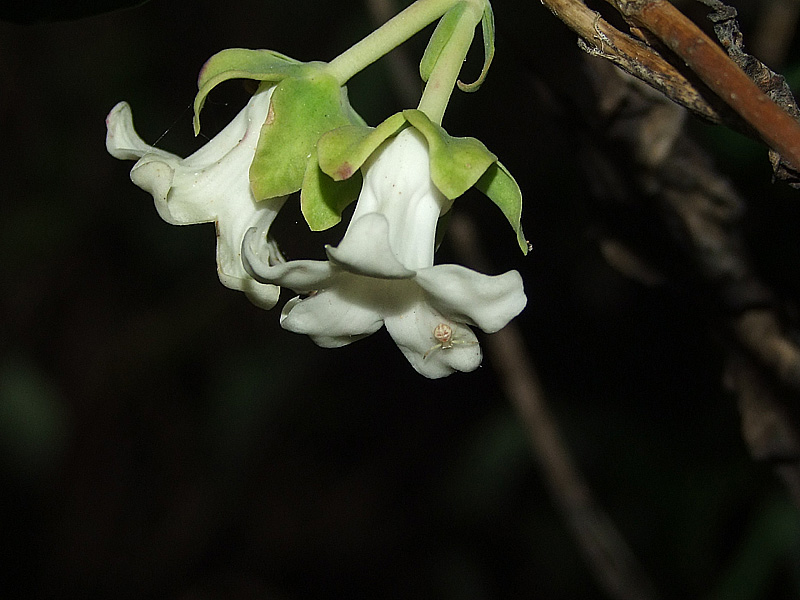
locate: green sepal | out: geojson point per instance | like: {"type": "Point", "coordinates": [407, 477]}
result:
{"type": "Point", "coordinates": [487, 28]}
{"type": "Point", "coordinates": [456, 163]}
{"type": "Point", "coordinates": [322, 200]}
{"type": "Point", "coordinates": [343, 151]}
{"type": "Point", "coordinates": [240, 63]}
{"type": "Point", "coordinates": [301, 110]}
{"type": "Point", "coordinates": [442, 224]}
{"type": "Point", "coordinates": [441, 35]}
{"type": "Point", "coordinates": [501, 188]}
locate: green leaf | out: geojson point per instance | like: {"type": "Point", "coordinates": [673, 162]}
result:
{"type": "Point", "coordinates": [301, 110]}
{"type": "Point", "coordinates": [241, 63]}
{"type": "Point", "coordinates": [501, 188]}
{"type": "Point", "coordinates": [322, 200]}
{"type": "Point", "coordinates": [343, 151]}
{"type": "Point", "coordinates": [487, 27]}
{"type": "Point", "coordinates": [441, 35]}
{"type": "Point", "coordinates": [456, 163]}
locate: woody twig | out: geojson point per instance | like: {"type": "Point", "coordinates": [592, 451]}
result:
{"type": "Point", "coordinates": [711, 84]}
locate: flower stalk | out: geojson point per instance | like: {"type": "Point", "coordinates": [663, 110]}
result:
{"type": "Point", "coordinates": [388, 36]}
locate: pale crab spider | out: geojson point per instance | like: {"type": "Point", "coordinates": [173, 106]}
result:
{"type": "Point", "coordinates": [443, 334]}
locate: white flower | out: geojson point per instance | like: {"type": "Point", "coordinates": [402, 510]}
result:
{"type": "Point", "coordinates": [212, 184]}
{"type": "Point", "coordinates": [382, 272]}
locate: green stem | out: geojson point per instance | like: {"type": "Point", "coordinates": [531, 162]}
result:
{"type": "Point", "coordinates": [444, 75]}
{"type": "Point", "coordinates": [387, 37]}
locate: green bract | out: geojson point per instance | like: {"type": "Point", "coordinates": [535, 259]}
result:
{"type": "Point", "coordinates": [456, 164]}
{"type": "Point", "coordinates": [441, 35]}
{"type": "Point", "coordinates": [329, 186]}
{"type": "Point", "coordinates": [487, 29]}
{"type": "Point", "coordinates": [306, 102]}
{"type": "Point", "coordinates": [302, 109]}
{"type": "Point", "coordinates": [345, 150]}
{"type": "Point", "coordinates": [502, 189]}
{"type": "Point", "coordinates": [240, 63]}
{"type": "Point", "coordinates": [323, 199]}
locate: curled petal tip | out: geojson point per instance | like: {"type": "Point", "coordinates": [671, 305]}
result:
{"type": "Point", "coordinates": [249, 252]}
{"type": "Point", "coordinates": [122, 141]}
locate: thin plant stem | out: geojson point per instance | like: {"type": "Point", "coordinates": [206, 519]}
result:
{"type": "Point", "coordinates": [445, 73]}
{"type": "Point", "coordinates": [387, 37]}
{"type": "Point", "coordinates": [615, 567]}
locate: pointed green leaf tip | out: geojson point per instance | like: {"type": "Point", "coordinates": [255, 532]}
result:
{"type": "Point", "coordinates": [301, 110]}
{"type": "Point", "coordinates": [323, 199]}
{"type": "Point", "coordinates": [332, 180]}
{"type": "Point", "coordinates": [240, 63]}
{"type": "Point", "coordinates": [456, 163]}
{"type": "Point", "coordinates": [501, 188]}
{"type": "Point", "coordinates": [441, 35]}
{"type": "Point", "coordinates": [487, 28]}
{"type": "Point", "coordinates": [344, 150]}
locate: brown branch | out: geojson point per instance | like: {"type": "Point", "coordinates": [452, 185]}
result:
{"type": "Point", "coordinates": [772, 84]}
{"type": "Point", "coordinates": [767, 425]}
{"type": "Point", "coordinates": [704, 57]}
{"type": "Point", "coordinates": [760, 333]}
{"type": "Point", "coordinates": [600, 38]}
{"type": "Point", "coordinates": [614, 566]}
{"type": "Point", "coordinates": [703, 253]}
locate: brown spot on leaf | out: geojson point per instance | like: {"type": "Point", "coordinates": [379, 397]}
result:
{"type": "Point", "coordinates": [345, 171]}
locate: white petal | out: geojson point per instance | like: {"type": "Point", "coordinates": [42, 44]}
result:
{"type": "Point", "coordinates": [213, 184]}
{"type": "Point", "coordinates": [413, 330]}
{"type": "Point", "coordinates": [365, 249]}
{"type": "Point", "coordinates": [302, 276]}
{"type": "Point", "coordinates": [234, 221]}
{"type": "Point", "coordinates": [330, 318]}
{"type": "Point", "coordinates": [262, 295]}
{"type": "Point", "coordinates": [397, 185]}
{"type": "Point", "coordinates": [154, 173]}
{"type": "Point", "coordinates": [122, 141]}
{"type": "Point", "coordinates": [489, 302]}
{"type": "Point", "coordinates": [201, 187]}
{"type": "Point", "coordinates": [231, 228]}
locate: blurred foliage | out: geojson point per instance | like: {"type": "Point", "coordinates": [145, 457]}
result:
{"type": "Point", "coordinates": [34, 424]}
{"type": "Point", "coordinates": [162, 438]}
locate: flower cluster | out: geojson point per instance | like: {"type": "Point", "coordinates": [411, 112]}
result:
{"type": "Point", "coordinates": [298, 133]}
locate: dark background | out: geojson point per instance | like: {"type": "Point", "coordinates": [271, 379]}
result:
{"type": "Point", "coordinates": [160, 437]}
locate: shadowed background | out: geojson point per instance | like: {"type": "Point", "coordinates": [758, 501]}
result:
{"type": "Point", "coordinates": [160, 437]}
